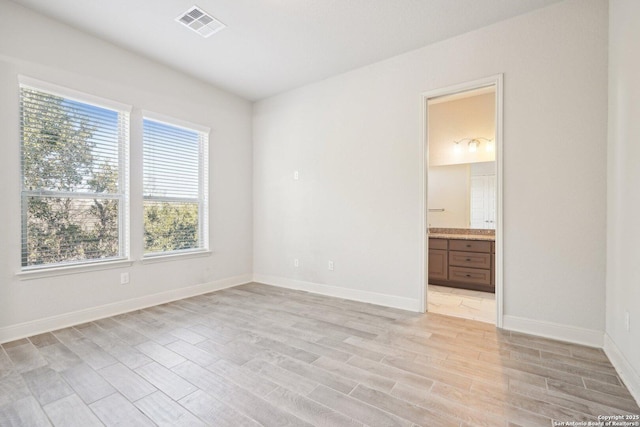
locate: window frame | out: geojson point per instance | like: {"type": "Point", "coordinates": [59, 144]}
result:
{"type": "Point", "coordinates": [123, 195]}
{"type": "Point", "coordinates": [203, 188]}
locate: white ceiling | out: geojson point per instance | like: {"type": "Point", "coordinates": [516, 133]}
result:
{"type": "Point", "coordinates": [270, 46]}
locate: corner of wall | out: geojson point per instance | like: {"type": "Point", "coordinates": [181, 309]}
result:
{"type": "Point", "coordinates": [627, 373]}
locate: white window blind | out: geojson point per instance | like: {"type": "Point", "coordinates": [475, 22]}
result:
{"type": "Point", "coordinates": [74, 179]}
{"type": "Point", "coordinates": [175, 188]}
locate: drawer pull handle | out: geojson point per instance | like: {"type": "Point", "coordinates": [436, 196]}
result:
{"type": "Point", "coordinates": [468, 259]}
{"type": "Point", "coordinates": [468, 246]}
{"type": "Point", "coordinates": [468, 275]}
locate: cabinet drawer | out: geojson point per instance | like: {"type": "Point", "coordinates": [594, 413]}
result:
{"type": "Point", "coordinates": [438, 244]}
{"type": "Point", "coordinates": [470, 245]}
{"type": "Point", "coordinates": [470, 275]}
{"type": "Point", "coordinates": [470, 259]}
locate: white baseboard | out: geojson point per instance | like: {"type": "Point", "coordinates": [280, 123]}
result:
{"type": "Point", "coordinates": [555, 331]}
{"type": "Point", "coordinates": [39, 326]}
{"type": "Point", "coordinates": [629, 375]}
{"type": "Point", "coordinates": [339, 292]}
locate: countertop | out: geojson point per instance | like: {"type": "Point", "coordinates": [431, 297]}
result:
{"type": "Point", "coordinates": [462, 234]}
{"type": "Point", "coordinates": [485, 237]}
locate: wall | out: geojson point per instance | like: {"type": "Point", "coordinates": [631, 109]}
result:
{"type": "Point", "coordinates": [33, 45]}
{"type": "Point", "coordinates": [483, 168]}
{"type": "Point", "coordinates": [356, 141]}
{"type": "Point", "coordinates": [458, 119]}
{"type": "Point", "coordinates": [449, 190]}
{"type": "Point", "coordinates": [623, 202]}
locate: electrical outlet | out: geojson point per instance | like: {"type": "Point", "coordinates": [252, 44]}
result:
{"type": "Point", "coordinates": [330, 265]}
{"type": "Point", "coordinates": [296, 263]}
{"type": "Point", "coordinates": [124, 278]}
{"type": "Point", "coordinates": [296, 175]}
{"type": "Point", "coordinates": [627, 321]}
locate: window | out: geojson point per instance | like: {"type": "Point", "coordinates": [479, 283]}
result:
{"type": "Point", "coordinates": [74, 177]}
{"type": "Point", "coordinates": [175, 187]}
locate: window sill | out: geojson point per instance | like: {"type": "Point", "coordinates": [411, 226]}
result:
{"type": "Point", "coordinates": [152, 259]}
{"type": "Point", "coordinates": [39, 273]}
{"type": "Point", "coordinates": [72, 269]}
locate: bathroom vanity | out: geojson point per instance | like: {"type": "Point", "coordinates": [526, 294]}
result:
{"type": "Point", "coordinates": [462, 259]}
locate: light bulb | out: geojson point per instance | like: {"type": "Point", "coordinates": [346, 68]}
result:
{"type": "Point", "coordinates": [473, 146]}
{"type": "Point", "coordinates": [490, 146]}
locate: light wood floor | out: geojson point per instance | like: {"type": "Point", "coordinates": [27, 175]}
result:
{"type": "Point", "coordinates": [259, 355]}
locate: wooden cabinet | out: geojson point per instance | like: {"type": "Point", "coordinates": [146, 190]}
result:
{"type": "Point", "coordinates": [470, 276]}
{"type": "Point", "coordinates": [470, 259]}
{"type": "Point", "coordinates": [493, 264]}
{"type": "Point", "coordinates": [468, 264]}
{"type": "Point", "coordinates": [438, 259]}
{"type": "Point", "coordinates": [470, 245]}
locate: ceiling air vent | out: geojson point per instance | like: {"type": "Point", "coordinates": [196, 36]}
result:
{"type": "Point", "coordinates": [200, 21]}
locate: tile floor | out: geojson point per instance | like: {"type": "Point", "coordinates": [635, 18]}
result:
{"type": "Point", "coordinates": [474, 305]}
{"type": "Point", "coordinates": [256, 355]}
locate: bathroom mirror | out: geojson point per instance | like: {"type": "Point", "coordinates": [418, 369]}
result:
{"type": "Point", "coordinates": [462, 167]}
{"type": "Point", "coordinates": [462, 195]}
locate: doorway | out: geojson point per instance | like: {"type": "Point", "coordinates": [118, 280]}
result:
{"type": "Point", "coordinates": [462, 200]}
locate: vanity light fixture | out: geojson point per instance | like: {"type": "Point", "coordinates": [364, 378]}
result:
{"type": "Point", "coordinates": [473, 144]}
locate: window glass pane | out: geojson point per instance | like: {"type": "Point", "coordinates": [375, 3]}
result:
{"type": "Point", "coordinates": [174, 186]}
{"type": "Point", "coordinates": [170, 226]}
{"type": "Point", "coordinates": [67, 230]}
{"type": "Point", "coordinates": [171, 160]}
{"type": "Point", "coordinates": [68, 145]}
{"type": "Point", "coordinates": [74, 180]}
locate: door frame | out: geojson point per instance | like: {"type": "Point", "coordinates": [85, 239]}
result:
{"type": "Point", "coordinates": [497, 81]}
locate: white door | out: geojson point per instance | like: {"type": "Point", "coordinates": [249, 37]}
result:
{"type": "Point", "coordinates": [483, 201]}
